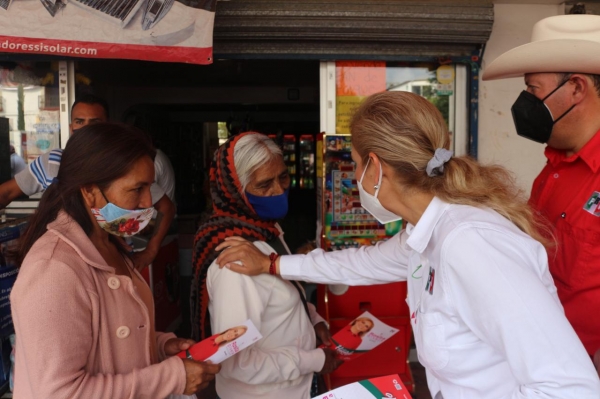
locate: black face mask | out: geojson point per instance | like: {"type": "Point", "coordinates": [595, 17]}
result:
{"type": "Point", "coordinates": [532, 118]}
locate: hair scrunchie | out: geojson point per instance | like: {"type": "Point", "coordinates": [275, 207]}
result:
{"type": "Point", "coordinates": [435, 166]}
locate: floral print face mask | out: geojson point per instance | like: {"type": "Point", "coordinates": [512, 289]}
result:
{"type": "Point", "coordinates": [122, 222]}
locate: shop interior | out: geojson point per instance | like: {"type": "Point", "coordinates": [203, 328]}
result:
{"type": "Point", "coordinates": [189, 110]}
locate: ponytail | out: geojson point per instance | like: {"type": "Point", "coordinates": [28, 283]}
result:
{"type": "Point", "coordinates": [467, 182]}
{"type": "Point", "coordinates": [406, 131]}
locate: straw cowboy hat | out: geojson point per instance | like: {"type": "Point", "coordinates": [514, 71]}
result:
{"type": "Point", "coordinates": [564, 43]}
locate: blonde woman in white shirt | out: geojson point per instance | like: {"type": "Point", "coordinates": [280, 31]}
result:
{"type": "Point", "coordinates": [484, 310]}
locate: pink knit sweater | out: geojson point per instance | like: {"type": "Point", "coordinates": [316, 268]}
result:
{"type": "Point", "coordinates": [82, 331]}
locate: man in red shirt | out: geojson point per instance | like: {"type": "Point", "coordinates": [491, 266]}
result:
{"type": "Point", "coordinates": [561, 107]}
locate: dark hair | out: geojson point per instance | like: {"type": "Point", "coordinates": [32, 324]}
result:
{"type": "Point", "coordinates": [91, 100]}
{"type": "Point", "coordinates": [99, 154]}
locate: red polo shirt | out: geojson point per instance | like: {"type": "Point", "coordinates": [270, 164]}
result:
{"type": "Point", "coordinates": [567, 192]}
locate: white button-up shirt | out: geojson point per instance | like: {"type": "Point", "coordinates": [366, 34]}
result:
{"type": "Point", "coordinates": [487, 321]}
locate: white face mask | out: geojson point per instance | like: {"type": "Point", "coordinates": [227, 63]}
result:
{"type": "Point", "coordinates": [371, 203]}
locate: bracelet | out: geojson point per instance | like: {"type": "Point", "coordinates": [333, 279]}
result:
{"type": "Point", "coordinates": [273, 266]}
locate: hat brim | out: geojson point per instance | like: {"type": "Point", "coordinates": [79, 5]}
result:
{"type": "Point", "coordinates": [564, 55]}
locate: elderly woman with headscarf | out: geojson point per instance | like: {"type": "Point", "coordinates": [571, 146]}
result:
{"type": "Point", "coordinates": [249, 189]}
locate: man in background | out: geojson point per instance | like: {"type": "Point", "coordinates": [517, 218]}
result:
{"type": "Point", "coordinates": [561, 107]}
{"type": "Point", "coordinates": [38, 176]}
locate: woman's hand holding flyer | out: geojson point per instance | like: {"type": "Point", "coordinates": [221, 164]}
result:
{"type": "Point", "coordinates": [223, 345]}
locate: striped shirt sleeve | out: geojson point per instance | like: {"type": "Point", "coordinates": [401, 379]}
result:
{"type": "Point", "coordinates": [38, 176]}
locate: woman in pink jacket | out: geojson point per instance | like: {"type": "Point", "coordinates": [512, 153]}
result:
{"type": "Point", "coordinates": [84, 317]}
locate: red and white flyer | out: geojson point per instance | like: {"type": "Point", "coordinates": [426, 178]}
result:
{"type": "Point", "coordinates": [360, 336]}
{"type": "Point", "coordinates": [389, 386]}
{"type": "Point", "coordinates": [224, 344]}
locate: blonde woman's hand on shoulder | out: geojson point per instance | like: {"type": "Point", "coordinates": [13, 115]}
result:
{"type": "Point", "coordinates": [242, 256]}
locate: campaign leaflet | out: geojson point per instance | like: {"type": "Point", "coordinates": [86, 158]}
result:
{"type": "Point", "coordinates": [224, 344]}
{"type": "Point", "coordinates": [389, 386]}
{"type": "Point", "coordinates": [360, 336]}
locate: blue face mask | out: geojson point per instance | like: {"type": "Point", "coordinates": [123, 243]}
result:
{"type": "Point", "coordinates": [270, 208]}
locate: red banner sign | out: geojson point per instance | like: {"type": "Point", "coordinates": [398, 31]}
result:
{"type": "Point", "coordinates": [153, 30]}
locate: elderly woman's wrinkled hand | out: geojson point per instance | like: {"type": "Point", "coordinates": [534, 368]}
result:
{"type": "Point", "coordinates": [242, 256]}
{"type": "Point", "coordinates": [332, 362]}
{"type": "Point", "coordinates": [176, 345]}
{"type": "Point", "coordinates": [323, 334]}
{"type": "Point", "coordinates": [198, 375]}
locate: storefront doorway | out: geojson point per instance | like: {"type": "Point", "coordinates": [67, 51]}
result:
{"type": "Point", "coordinates": [190, 109]}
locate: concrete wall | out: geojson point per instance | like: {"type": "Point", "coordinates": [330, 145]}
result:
{"type": "Point", "coordinates": [498, 140]}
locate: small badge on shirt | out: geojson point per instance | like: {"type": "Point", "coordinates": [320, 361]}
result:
{"type": "Point", "coordinates": [593, 204]}
{"type": "Point", "coordinates": [430, 280]}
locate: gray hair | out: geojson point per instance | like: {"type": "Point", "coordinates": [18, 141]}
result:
{"type": "Point", "coordinates": [250, 153]}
